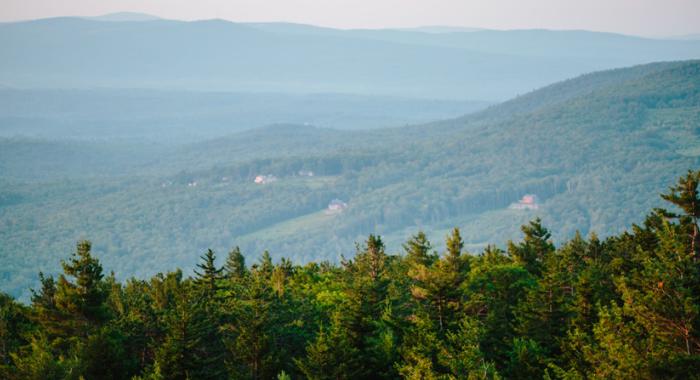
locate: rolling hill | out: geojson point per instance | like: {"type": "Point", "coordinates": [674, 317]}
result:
{"type": "Point", "coordinates": [594, 150]}
{"type": "Point", "coordinates": [181, 117]}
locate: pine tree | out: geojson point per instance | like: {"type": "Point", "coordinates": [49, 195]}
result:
{"type": "Point", "coordinates": [419, 354]}
{"type": "Point", "coordinates": [136, 316]}
{"type": "Point", "coordinates": [208, 276]}
{"type": "Point", "coordinates": [192, 347]}
{"type": "Point", "coordinates": [330, 356]}
{"type": "Point", "coordinates": [85, 298]}
{"type": "Point", "coordinates": [207, 342]}
{"type": "Point", "coordinates": [534, 249]}
{"type": "Point", "coordinates": [419, 261]}
{"type": "Point", "coordinates": [278, 280]}
{"type": "Point", "coordinates": [454, 244]}
{"type": "Point", "coordinates": [685, 196]}
{"type": "Point", "coordinates": [247, 326]}
{"type": "Point", "coordinates": [653, 331]}
{"type": "Point", "coordinates": [593, 288]}
{"type": "Point", "coordinates": [450, 274]}
{"type": "Point", "coordinates": [438, 286]}
{"type": "Point", "coordinates": [368, 283]}
{"type": "Point", "coordinates": [369, 309]}
{"type": "Point", "coordinates": [74, 316]}
{"type": "Point", "coordinates": [664, 298]}
{"type": "Point", "coordinates": [527, 360]}
{"type": "Point", "coordinates": [493, 290]}
{"type": "Point", "coordinates": [266, 266]}
{"type": "Point", "coordinates": [461, 353]}
{"type": "Point", "coordinates": [418, 251]}
{"type": "Point", "coordinates": [15, 328]}
{"type": "Point", "coordinates": [545, 314]}
{"type": "Point", "coordinates": [235, 265]}
{"type": "Point", "coordinates": [38, 362]}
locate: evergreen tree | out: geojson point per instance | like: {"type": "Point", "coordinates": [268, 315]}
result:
{"type": "Point", "coordinates": [493, 291]}
{"type": "Point", "coordinates": [419, 354]}
{"type": "Point", "coordinates": [527, 360]}
{"type": "Point", "coordinates": [448, 276]}
{"type": "Point", "coordinates": [533, 251]}
{"type": "Point", "coordinates": [685, 196]}
{"type": "Point", "coordinates": [369, 312]}
{"type": "Point", "coordinates": [438, 286]}
{"type": "Point", "coordinates": [653, 331]}
{"type": "Point", "coordinates": [266, 266]}
{"type": "Point", "coordinates": [461, 353]}
{"type": "Point", "coordinates": [37, 361]}
{"type": "Point", "coordinates": [137, 318]}
{"type": "Point", "coordinates": [454, 244]}
{"type": "Point", "coordinates": [545, 314]}
{"type": "Point", "coordinates": [192, 348]}
{"type": "Point", "coordinates": [15, 328]}
{"type": "Point", "coordinates": [83, 300]}
{"type": "Point", "coordinates": [330, 356]}
{"type": "Point", "coordinates": [247, 330]}
{"type": "Point", "coordinates": [235, 265]}
{"type": "Point", "coordinates": [208, 276]}
{"type": "Point", "coordinates": [418, 250]}
{"type": "Point", "coordinates": [278, 280]}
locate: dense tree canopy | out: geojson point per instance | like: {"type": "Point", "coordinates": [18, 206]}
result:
{"type": "Point", "coordinates": [627, 307]}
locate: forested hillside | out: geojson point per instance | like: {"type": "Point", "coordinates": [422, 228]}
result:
{"type": "Point", "coordinates": [594, 151]}
{"type": "Point", "coordinates": [623, 307]}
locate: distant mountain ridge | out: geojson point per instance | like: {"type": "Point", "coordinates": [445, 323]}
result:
{"type": "Point", "coordinates": [124, 16]}
{"type": "Point", "coordinates": [270, 57]}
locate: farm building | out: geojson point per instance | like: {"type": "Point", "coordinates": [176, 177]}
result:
{"type": "Point", "coordinates": [527, 202]}
{"type": "Point", "coordinates": [265, 179]}
{"type": "Point", "coordinates": [336, 206]}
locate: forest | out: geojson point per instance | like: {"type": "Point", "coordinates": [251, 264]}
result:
{"type": "Point", "coordinates": [585, 147]}
{"type": "Point", "coordinates": [623, 307]}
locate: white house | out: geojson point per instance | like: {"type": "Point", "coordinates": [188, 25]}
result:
{"type": "Point", "coordinates": [264, 179]}
{"type": "Point", "coordinates": [336, 206]}
{"type": "Point", "coordinates": [527, 202]}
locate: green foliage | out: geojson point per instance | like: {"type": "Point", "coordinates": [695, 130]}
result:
{"type": "Point", "coordinates": [15, 326]}
{"type": "Point", "coordinates": [534, 250]}
{"type": "Point", "coordinates": [633, 129]}
{"type": "Point", "coordinates": [85, 296]}
{"type": "Point", "coordinates": [208, 277]}
{"type": "Point", "coordinates": [461, 353]}
{"type": "Point", "coordinates": [527, 360]}
{"type": "Point", "coordinates": [331, 355]}
{"type": "Point", "coordinates": [622, 308]}
{"type": "Point", "coordinates": [235, 268]}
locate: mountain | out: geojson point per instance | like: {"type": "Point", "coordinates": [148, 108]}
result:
{"type": "Point", "coordinates": [441, 29]}
{"type": "Point", "coordinates": [217, 55]}
{"type": "Point", "coordinates": [687, 37]}
{"type": "Point", "coordinates": [124, 16]}
{"type": "Point", "coordinates": [594, 151]}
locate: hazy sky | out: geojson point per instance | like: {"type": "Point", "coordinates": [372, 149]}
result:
{"type": "Point", "coordinates": [640, 17]}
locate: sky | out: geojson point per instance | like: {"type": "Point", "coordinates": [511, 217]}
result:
{"type": "Point", "coordinates": [656, 18]}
